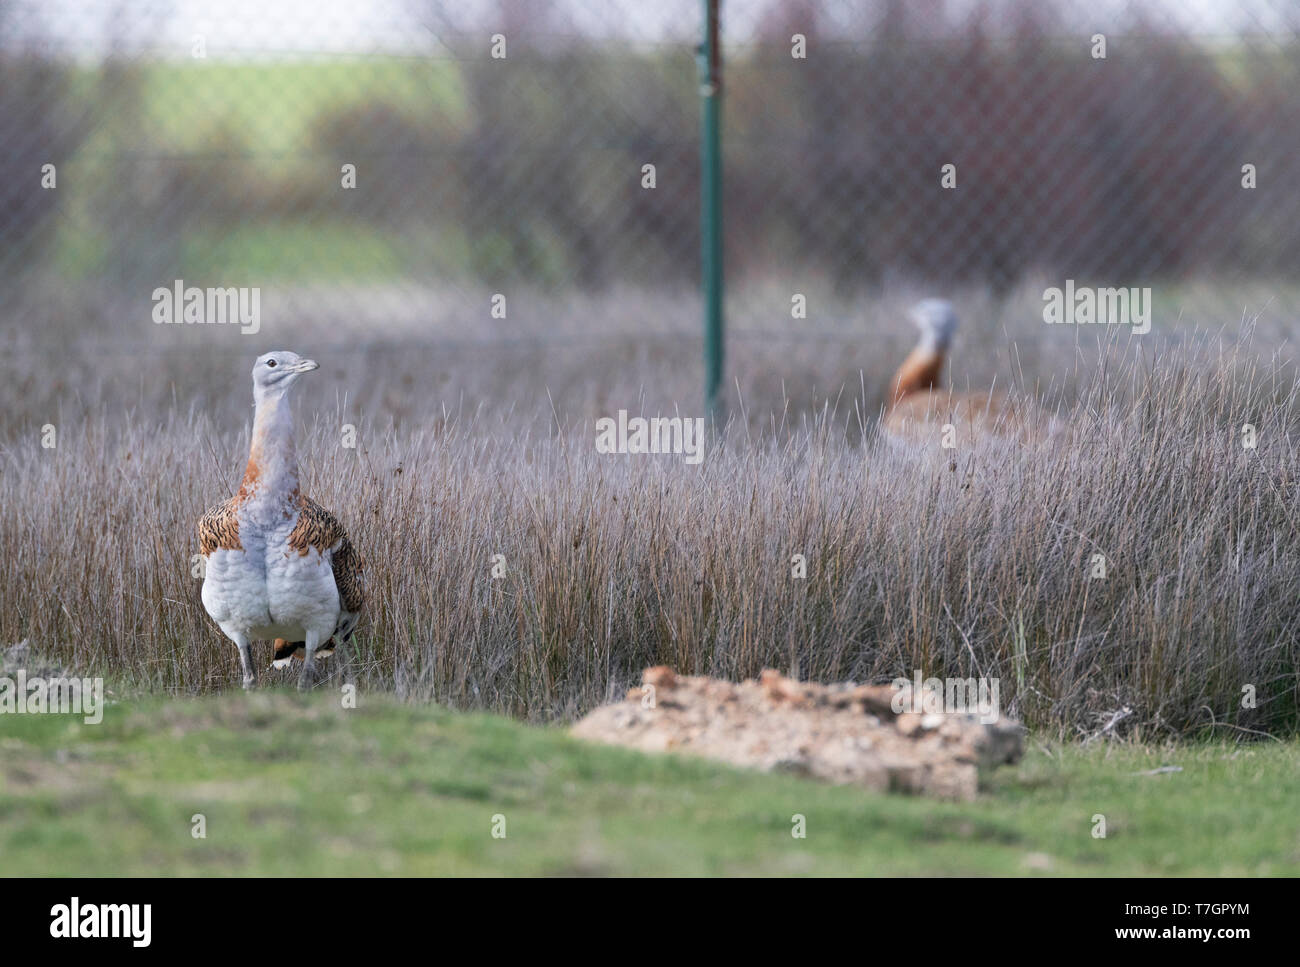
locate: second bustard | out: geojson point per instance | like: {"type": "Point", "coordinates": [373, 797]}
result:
{"type": "Point", "coordinates": [920, 407]}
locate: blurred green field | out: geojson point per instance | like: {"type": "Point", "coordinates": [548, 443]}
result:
{"type": "Point", "coordinates": [274, 105]}
{"type": "Point", "coordinates": [295, 786]}
{"type": "Point", "coordinates": [270, 105]}
{"type": "Point", "coordinates": [262, 117]}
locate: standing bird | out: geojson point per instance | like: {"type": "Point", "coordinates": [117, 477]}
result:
{"type": "Point", "coordinates": [278, 564]}
{"type": "Point", "coordinates": [920, 407]}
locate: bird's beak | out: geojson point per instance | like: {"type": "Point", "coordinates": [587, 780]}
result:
{"type": "Point", "coordinates": [306, 366]}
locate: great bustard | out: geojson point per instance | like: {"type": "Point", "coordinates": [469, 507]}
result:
{"type": "Point", "coordinates": [278, 565]}
{"type": "Point", "coordinates": [922, 411]}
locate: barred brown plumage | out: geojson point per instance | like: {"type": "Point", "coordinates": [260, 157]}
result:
{"type": "Point", "coordinates": [219, 527]}
{"type": "Point", "coordinates": [318, 528]}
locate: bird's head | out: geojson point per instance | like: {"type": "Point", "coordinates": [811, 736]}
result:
{"type": "Point", "coordinates": [937, 322]}
{"type": "Point", "coordinates": [275, 372]}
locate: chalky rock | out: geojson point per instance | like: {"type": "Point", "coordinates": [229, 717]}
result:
{"type": "Point", "coordinates": [844, 734]}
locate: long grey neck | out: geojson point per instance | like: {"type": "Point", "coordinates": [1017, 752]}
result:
{"type": "Point", "coordinates": [933, 341]}
{"type": "Point", "coordinates": [271, 476]}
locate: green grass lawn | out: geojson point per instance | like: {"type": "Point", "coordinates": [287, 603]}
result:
{"type": "Point", "coordinates": [298, 786]}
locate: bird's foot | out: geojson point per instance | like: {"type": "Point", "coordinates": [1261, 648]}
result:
{"type": "Point", "coordinates": [308, 678]}
{"type": "Point", "coordinates": [250, 682]}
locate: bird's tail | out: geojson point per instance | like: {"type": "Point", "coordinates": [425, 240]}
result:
{"type": "Point", "coordinates": [286, 651]}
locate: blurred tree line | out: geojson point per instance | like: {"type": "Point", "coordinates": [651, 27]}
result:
{"type": "Point", "coordinates": [1124, 167]}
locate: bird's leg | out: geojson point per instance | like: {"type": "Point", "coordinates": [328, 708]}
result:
{"type": "Point", "coordinates": [308, 676]}
{"type": "Point", "coordinates": [341, 656]}
{"type": "Point", "coordinates": [246, 659]}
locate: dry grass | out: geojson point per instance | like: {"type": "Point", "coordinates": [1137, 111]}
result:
{"type": "Point", "coordinates": [976, 564]}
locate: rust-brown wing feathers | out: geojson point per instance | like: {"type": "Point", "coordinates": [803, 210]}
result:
{"type": "Point", "coordinates": [219, 528]}
{"type": "Point", "coordinates": [320, 529]}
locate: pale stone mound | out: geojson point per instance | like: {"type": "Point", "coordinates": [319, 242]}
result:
{"type": "Point", "coordinates": [839, 733]}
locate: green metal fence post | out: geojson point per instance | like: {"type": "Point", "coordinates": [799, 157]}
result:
{"type": "Point", "coordinates": [710, 67]}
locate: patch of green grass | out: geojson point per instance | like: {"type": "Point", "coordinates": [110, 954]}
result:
{"type": "Point", "coordinates": [297, 786]}
{"type": "Point", "coordinates": [259, 124]}
{"type": "Point", "coordinates": [294, 252]}
{"type": "Point", "coordinates": [275, 104]}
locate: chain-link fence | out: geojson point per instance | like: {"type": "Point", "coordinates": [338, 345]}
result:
{"type": "Point", "coordinates": [393, 167]}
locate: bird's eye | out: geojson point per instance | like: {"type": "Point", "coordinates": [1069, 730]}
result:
{"type": "Point", "coordinates": [270, 363]}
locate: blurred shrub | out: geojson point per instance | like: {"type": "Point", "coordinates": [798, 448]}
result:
{"type": "Point", "coordinates": [38, 126]}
